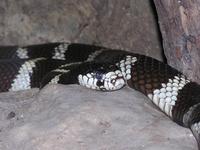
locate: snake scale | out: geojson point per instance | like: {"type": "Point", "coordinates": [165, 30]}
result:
{"type": "Point", "coordinates": [103, 69]}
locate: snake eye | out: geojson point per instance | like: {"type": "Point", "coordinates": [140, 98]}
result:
{"type": "Point", "coordinates": [98, 75]}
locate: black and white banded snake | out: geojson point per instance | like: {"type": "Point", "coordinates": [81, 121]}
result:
{"type": "Point", "coordinates": [103, 69]}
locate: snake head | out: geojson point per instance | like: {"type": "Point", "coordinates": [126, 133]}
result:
{"type": "Point", "coordinates": [112, 80]}
{"type": "Point", "coordinates": [104, 78]}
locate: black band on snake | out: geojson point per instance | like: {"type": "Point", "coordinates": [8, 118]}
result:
{"type": "Point", "coordinates": [102, 69]}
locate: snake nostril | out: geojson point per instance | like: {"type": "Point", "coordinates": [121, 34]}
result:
{"type": "Point", "coordinates": [113, 81]}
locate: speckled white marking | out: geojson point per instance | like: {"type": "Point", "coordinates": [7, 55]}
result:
{"type": "Point", "coordinates": [80, 79]}
{"type": "Point", "coordinates": [156, 91]}
{"type": "Point", "coordinates": [90, 81]}
{"type": "Point", "coordinates": [126, 65]}
{"type": "Point", "coordinates": [22, 53]}
{"type": "Point", "coordinates": [168, 94]}
{"type": "Point", "coordinates": [55, 79]}
{"type": "Point", "coordinates": [150, 96]}
{"type": "Point", "coordinates": [59, 52]}
{"type": "Point", "coordinates": [85, 79]}
{"type": "Point", "coordinates": [61, 70]}
{"type": "Point", "coordinates": [92, 56]}
{"type": "Point", "coordinates": [169, 88]}
{"type": "Point", "coordinates": [22, 80]}
{"type": "Point", "coordinates": [155, 99]}
{"type": "Point", "coordinates": [163, 85]}
{"type": "Point", "coordinates": [70, 64]}
{"type": "Point", "coordinates": [165, 97]}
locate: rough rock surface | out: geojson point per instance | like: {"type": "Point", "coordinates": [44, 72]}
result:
{"type": "Point", "coordinates": [180, 28]}
{"type": "Point", "coordinates": [72, 117]}
{"type": "Point", "coordinates": [127, 24]}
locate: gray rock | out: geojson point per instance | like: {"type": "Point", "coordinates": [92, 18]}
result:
{"type": "Point", "coordinates": [71, 117]}
{"type": "Point", "coordinates": [128, 24]}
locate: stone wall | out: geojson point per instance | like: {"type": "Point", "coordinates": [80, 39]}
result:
{"type": "Point", "coordinates": [127, 24]}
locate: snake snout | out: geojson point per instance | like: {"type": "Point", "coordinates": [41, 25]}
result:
{"type": "Point", "coordinates": [119, 83]}
{"type": "Point", "coordinates": [114, 81]}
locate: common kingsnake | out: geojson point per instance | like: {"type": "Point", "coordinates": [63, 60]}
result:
{"type": "Point", "coordinates": [103, 69]}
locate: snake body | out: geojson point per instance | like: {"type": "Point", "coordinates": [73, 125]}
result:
{"type": "Point", "coordinates": [102, 69]}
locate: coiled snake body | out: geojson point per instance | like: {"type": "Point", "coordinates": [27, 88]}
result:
{"type": "Point", "coordinates": [102, 69]}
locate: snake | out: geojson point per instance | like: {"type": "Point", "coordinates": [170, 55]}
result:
{"type": "Point", "coordinates": [104, 69]}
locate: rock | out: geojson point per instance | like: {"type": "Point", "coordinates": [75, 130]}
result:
{"type": "Point", "coordinates": [62, 117]}
{"type": "Point", "coordinates": [129, 24]}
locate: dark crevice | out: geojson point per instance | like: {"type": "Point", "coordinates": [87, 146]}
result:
{"type": "Point", "coordinates": [158, 30]}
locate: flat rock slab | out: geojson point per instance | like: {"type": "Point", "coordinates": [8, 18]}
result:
{"type": "Point", "coordinates": [71, 117]}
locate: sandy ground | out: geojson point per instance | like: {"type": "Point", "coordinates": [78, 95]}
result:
{"type": "Point", "coordinates": [63, 117]}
